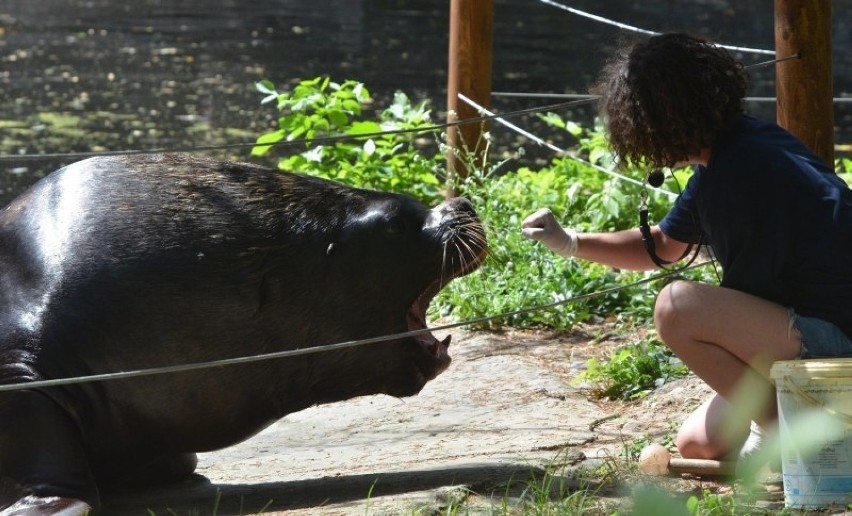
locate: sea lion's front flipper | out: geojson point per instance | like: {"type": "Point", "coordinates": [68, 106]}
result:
{"type": "Point", "coordinates": [44, 468]}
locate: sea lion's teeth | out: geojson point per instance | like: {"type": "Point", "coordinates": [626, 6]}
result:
{"type": "Point", "coordinates": [433, 348]}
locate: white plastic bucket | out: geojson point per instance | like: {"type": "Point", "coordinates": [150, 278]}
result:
{"type": "Point", "coordinates": [817, 466]}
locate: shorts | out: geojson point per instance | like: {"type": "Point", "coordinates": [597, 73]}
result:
{"type": "Point", "coordinates": [820, 339]}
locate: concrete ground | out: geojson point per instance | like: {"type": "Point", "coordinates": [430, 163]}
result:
{"type": "Point", "coordinates": [504, 410]}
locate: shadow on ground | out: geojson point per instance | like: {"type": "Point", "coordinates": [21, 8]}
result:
{"type": "Point", "coordinates": [505, 412]}
{"type": "Point", "coordinates": [200, 496]}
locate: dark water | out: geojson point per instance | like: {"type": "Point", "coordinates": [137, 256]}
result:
{"type": "Point", "coordinates": [82, 75]}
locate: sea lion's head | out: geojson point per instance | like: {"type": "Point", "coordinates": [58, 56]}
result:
{"type": "Point", "coordinates": [396, 255]}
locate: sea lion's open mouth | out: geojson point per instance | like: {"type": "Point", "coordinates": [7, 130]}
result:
{"type": "Point", "coordinates": [416, 320]}
{"type": "Point", "coordinates": [455, 226]}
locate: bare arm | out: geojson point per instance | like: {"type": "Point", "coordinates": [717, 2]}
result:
{"type": "Point", "coordinates": [624, 249]}
{"type": "Point", "coordinates": [621, 249]}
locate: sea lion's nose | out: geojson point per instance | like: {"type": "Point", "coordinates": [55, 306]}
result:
{"type": "Point", "coordinates": [451, 207]}
{"type": "Point", "coordinates": [460, 204]}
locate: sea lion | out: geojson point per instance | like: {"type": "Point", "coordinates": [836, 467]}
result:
{"type": "Point", "coordinates": [125, 263]}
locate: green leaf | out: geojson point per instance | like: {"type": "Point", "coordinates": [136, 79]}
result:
{"type": "Point", "coordinates": [266, 141]}
{"type": "Point", "coordinates": [311, 83]}
{"type": "Point", "coordinates": [320, 125]}
{"type": "Point", "coordinates": [301, 104]}
{"type": "Point", "coordinates": [364, 128]}
{"type": "Point", "coordinates": [315, 155]}
{"type": "Point", "coordinates": [351, 105]}
{"type": "Point", "coordinates": [296, 133]}
{"type": "Point", "coordinates": [574, 128]}
{"type": "Point", "coordinates": [361, 92]}
{"type": "Point", "coordinates": [338, 118]}
{"type": "Point", "coordinates": [266, 86]}
{"type": "Point", "coordinates": [552, 119]}
{"type": "Point", "coordinates": [596, 154]}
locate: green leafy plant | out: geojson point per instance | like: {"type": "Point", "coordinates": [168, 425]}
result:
{"type": "Point", "coordinates": [630, 450]}
{"type": "Point", "coordinates": [633, 371]}
{"type": "Point", "coordinates": [653, 499]}
{"type": "Point", "coordinates": [375, 157]}
{"type": "Point", "coordinates": [519, 273]}
{"type": "Point", "coordinates": [711, 504]}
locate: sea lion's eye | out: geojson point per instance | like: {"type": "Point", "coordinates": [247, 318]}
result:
{"type": "Point", "coordinates": [394, 227]}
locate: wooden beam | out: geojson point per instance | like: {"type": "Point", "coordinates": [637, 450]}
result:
{"type": "Point", "coordinates": [804, 86]}
{"type": "Point", "coordinates": [469, 73]}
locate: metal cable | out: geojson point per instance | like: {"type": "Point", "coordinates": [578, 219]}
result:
{"type": "Point", "coordinates": [580, 96]}
{"type": "Point", "coordinates": [38, 384]}
{"type": "Point", "coordinates": [577, 100]}
{"type": "Point", "coordinates": [301, 141]}
{"type": "Point", "coordinates": [556, 149]}
{"type": "Point", "coordinates": [631, 28]}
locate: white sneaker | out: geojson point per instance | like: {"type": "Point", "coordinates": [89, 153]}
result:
{"type": "Point", "coordinates": [753, 449]}
{"type": "Point", "coordinates": [753, 443]}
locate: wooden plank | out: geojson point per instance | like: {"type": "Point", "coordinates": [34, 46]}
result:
{"type": "Point", "coordinates": [699, 467]}
{"type": "Point", "coordinates": [804, 86]}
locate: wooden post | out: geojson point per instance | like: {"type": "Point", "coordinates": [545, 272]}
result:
{"type": "Point", "coordinates": [804, 85]}
{"type": "Point", "coordinates": [470, 74]}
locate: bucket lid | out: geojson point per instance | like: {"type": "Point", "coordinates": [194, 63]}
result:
{"type": "Point", "coordinates": [812, 368]}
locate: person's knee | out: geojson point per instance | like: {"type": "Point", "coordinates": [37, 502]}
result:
{"type": "Point", "coordinates": [694, 444]}
{"type": "Point", "coordinates": [688, 447]}
{"type": "Point", "coordinates": [691, 448]}
{"type": "Point", "coordinates": [673, 307]}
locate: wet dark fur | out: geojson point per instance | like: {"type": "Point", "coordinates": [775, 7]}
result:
{"type": "Point", "coordinates": [128, 263]}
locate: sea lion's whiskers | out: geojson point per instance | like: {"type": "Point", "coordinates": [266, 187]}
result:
{"type": "Point", "coordinates": [444, 265]}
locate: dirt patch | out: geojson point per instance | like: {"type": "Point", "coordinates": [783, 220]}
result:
{"type": "Point", "coordinates": [507, 408]}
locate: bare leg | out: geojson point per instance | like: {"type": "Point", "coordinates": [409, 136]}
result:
{"type": "Point", "coordinates": [730, 340]}
{"type": "Point", "coordinates": [711, 432]}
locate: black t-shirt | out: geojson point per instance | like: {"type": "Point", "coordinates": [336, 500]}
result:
{"type": "Point", "coordinates": [778, 219]}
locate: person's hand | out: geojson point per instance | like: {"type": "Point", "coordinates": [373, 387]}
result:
{"type": "Point", "coordinates": [542, 226]}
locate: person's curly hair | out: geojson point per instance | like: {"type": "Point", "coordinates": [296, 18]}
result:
{"type": "Point", "coordinates": [666, 99]}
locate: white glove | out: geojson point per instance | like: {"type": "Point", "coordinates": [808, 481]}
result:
{"type": "Point", "coordinates": [542, 226]}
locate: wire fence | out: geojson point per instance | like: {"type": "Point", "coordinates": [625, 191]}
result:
{"type": "Point", "coordinates": [486, 115]}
